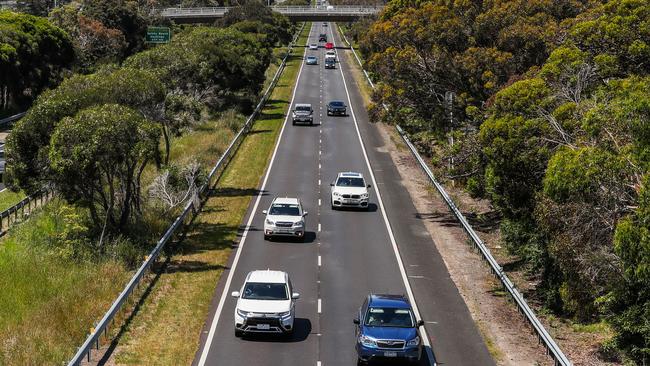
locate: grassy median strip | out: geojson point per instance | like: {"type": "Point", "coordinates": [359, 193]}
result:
{"type": "Point", "coordinates": [166, 329]}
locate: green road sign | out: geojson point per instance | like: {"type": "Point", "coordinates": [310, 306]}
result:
{"type": "Point", "coordinates": [158, 35]}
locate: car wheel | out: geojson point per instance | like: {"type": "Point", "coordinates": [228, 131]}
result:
{"type": "Point", "coordinates": [239, 333]}
{"type": "Point", "coordinates": [266, 237]}
{"type": "Point", "coordinates": [361, 362]}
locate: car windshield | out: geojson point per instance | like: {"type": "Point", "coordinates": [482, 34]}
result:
{"type": "Point", "coordinates": [389, 317]}
{"type": "Point", "coordinates": [303, 108]}
{"type": "Point", "coordinates": [285, 210]}
{"type": "Point", "coordinates": [265, 291]}
{"type": "Point", "coordinates": [350, 182]}
{"type": "Point", "coordinates": [337, 104]}
{"type": "Point", "coordinates": [311, 57]}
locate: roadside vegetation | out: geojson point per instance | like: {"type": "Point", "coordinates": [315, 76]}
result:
{"type": "Point", "coordinates": [547, 107]}
{"type": "Point", "coordinates": [180, 298]}
{"type": "Point", "coordinates": [124, 146]}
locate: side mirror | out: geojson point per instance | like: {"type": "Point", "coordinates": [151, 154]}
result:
{"type": "Point", "coordinates": [305, 213]}
{"type": "Point", "coordinates": [420, 323]}
{"type": "Point", "coordinates": [234, 294]}
{"type": "Point", "coordinates": [369, 186]}
{"type": "Point", "coordinates": [331, 184]}
{"type": "Point", "coordinates": [295, 296]}
{"type": "Point", "coordinates": [356, 321]}
{"type": "Point", "coordinates": [264, 212]}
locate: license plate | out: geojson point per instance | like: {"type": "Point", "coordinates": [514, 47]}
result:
{"type": "Point", "coordinates": [267, 327]}
{"type": "Point", "coordinates": [390, 354]}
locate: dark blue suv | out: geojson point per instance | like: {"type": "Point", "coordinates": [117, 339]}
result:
{"type": "Point", "coordinates": [387, 328]}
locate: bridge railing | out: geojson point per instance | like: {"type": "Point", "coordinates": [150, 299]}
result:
{"type": "Point", "coordinates": [552, 348]}
{"type": "Point", "coordinates": [343, 10]}
{"type": "Point", "coordinates": [192, 208]}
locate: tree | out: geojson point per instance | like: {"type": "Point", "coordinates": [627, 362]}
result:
{"type": "Point", "coordinates": [27, 145]}
{"type": "Point", "coordinates": [122, 15]}
{"type": "Point", "coordinates": [93, 41]}
{"type": "Point", "coordinates": [219, 67]}
{"type": "Point", "coordinates": [33, 56]}
{"type": "Point", "coordinates": [97, 158]}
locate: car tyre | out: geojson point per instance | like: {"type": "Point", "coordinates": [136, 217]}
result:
{"type": "Point", "coordinates": [293, 122]}
{"type": "Point", "coordinates": [267, 237]}
{"type": "Point", "coordinates": [239, 333]}
{"type": "Point", "coordinates": [361, 362]}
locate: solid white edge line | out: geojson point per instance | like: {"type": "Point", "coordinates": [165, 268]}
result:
{"type": "Point", "coordinates": [222, 300]}
{"type": "Point", "coordinates": [319, 306]}
{"type": "Point", "coordinates": [400, 264]}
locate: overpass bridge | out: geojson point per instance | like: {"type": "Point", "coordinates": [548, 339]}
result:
{"type": "Point", "coordinates": [294, 13]}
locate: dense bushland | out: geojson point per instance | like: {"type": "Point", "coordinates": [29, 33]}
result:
{"type": "Point", "coordinates": [104, 139]}
{"type": "Point", "coordinates": [551, 121]}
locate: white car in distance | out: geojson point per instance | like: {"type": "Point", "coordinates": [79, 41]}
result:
{"type": "Point", "coordinates": [349, 190]}
{"type": "Point", "coordinates": [313, 46]}
{"type": "Point", "coordinates": [285, 217]}
{"type": "Point", "coordinates": [265, 304]}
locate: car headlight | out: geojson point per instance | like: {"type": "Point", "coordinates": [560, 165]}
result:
{"type": "Point", "coordinates": [413, 342]}
{"type": "Point", "coordinates": [336, 194]}
{"type": "Point", "coordinates": [293, 114]}
{"type": "Point", "coordinates": [242, 313]}
{"type": "Point", "coordinates": [286, 314]}
{"type": "Point", "coordinates": [367, 341]}
{"type": "Point", "coordinates": [298, 224]}
{"type": "Point", "coordinates": [364, 195]}
{"type": "Point", "coordinates": [269, 222]}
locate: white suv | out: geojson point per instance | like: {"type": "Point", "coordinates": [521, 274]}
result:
{"type": "Point", "coordinates": [349, 190]}
{"type": "Point", "coordinates": [265, 304]}
{"type": "Point", "coordinates": [285, 217]}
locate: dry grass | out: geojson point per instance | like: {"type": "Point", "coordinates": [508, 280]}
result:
{"type": "Point", "coordinates": [166, 329]}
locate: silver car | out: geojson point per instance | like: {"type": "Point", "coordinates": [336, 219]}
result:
{"type": "Point", "coordinates": [312, 60]}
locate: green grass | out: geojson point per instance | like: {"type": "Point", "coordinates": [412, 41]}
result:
{"type": "Point", "coordinates": [48, 302]}
{"type": "Point", "coordinates": [180, 298]}
{"type": "Point", "coordinates": [9, 198]}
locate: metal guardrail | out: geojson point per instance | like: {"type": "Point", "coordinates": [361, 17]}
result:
{"type": "Point", "coordinates": [192, 207]}
{"type": "Point", "coordinates": [286, 10]}
{"type": "Point", "coordinates": [17, 211]}
{"type": "Point", "coordinates": [14, 118]}
{"type": "Point", "coordinates": [552, 349]}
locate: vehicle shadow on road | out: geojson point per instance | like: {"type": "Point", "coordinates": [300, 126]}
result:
{"type": "Point", "coordinates": [371, 208]}
{"type": "Point", "coordinates": [302, 329]}
{"type": "Point", "coordinates": [309, 238]}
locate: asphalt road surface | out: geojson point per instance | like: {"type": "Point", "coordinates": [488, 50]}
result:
{"type": "Point", "coordinates": [347, 254]}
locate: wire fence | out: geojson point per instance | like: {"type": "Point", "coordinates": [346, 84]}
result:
{"type": "Point", "coordinates": [552, 349]}
{"type": "Point", "coordinates": [23, 208]}
{"type": "Point", "coordinates": [191, 209]}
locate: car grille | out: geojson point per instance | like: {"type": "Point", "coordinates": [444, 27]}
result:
{"type": "Point", "coordinates": [390, 344]}
{"type": "Point", "coordinates": [274, 322]}
{"type": "Point", "coordinates": [355, 196]}
{"type": "Point", "coordinates": [284, 224]}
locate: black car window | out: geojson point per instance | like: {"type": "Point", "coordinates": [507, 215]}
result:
{"type": "Point", "coordinates": [337, 104]}
{"type": "Point", "coordinates": [389, 317]}
{"type": "Point", "coordinates": [285, 209]}
{"type": "Point", "coordinates": [303, 108]}
{"type": "Point", "coordinates": [265, 291]}
{"type": "Point", "coordinates": [350, 182]}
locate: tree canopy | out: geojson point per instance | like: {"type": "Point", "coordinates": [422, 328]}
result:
{"type": "Point", "coordinates": [33, 56]}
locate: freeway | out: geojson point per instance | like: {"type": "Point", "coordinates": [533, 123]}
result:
{"type": "Point", "coordinates": [346, 254]}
